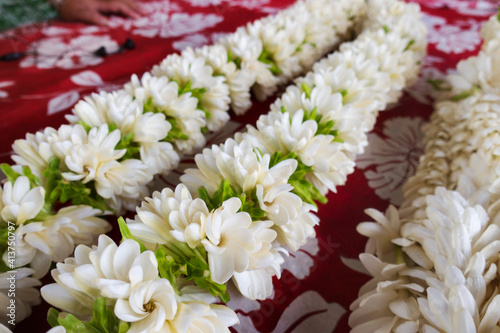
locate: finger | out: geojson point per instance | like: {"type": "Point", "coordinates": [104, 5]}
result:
{"type": "Point", "coordinates": [117, 7]}
{"type": "Point", "coordinates": [135, 7]}
{"type": "Point", "coordinates": [83, 13]}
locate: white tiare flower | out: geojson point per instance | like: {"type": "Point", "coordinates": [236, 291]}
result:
{"type": "Point", "coordinates": [196, 74]}
{"type": "Point", "coordinates": [40, 243]}
{"type": "Point", "coordinates": [476, 72]}
{"type": "Point", "coordinates": [194, 317]}
{"type": "Point", "coordinates": [116, 108]}
{"type": "Point", "coordinates": [96, 159]}
{"type": "Point", "coordinates": [296, 232]}
{"type": "Point", "coordinates": [20, 202]}
{"type": "Point", "coordinates": [381, 233]}
{"type": "Point", "coordinates": [35, 150]}
{"type": "Point", "coordinates": [170, 215]}
{"type": "Point", "coordinates": [248, 50]}
{"type": "Point", "coordinates": [162, 94]}
{"type": "Point", "coordinates": [234, 243]}
{"type": "Point", "coordinates": [26, 295]}
{"type": "Point", "coordinates": [280, 39]}
{"type": "Point", "coordinates": [278, 133]}
{"type": "Point", "coordinates": [147, 129]}
{"type": "Point", "coordinates": [239, 81]}
{"type": "Point", "coordinates": [258, 283]}
{"type": "Point", "coordinates": [105, 270]}
{"type": "Point", "coordinates": [150, 307]}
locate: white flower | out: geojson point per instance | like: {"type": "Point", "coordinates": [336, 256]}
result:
{"type": "Point", "coordinates": [195, 74]}
{"type": "Point", "coordinates": [148, 129]}
{"type": "Point", "coordinates": [298, 229]}
{"type": "Point", "coordinates": [106, 270]}
{"type": "Point", "coordinates": [26, 295]}
{"type": "Point", "coordinates": [20, 202]}
{"type": "Point", "coordinates": [162, 94]}
{"type": "Point", "coordinates": [35, 151]}
{"type": "Point", "coordinates": [277, 132]}
{"type": "Point", "coordinates": [169, 215]}
{"type": "Point", "coordinates": [192, 317]}
{"type": "Point", "coordinates": [280, 38]}
{"type": "Point", "coordinates": [230, 240]}
{"type": "Point", "coordinates": [96, 159]}
{"type": "Point", "coordinates": [381, 233]}
{"type": "Point", "coordinates": [116, 108]}
{"type": "Point", "coordinates": [40, 243]}
{"type": "Point", "coordinates": [238, 81]}
{"type": "Point", "coordinates": [248, 49]}
{"type": "Point", "coordinates": [149, 308]}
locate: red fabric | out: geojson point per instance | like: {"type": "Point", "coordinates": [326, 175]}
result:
{"type": "Point", "coordinates": [316, 287]}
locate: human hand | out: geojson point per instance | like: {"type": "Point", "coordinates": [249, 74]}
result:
{"type": "Point", "coordinates": [94, 11]}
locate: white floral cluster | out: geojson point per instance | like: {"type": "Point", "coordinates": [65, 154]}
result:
{"type": "Point", "coordinates": [36, 236]}
{"type": "Point", "coordinates": [250, 197]}
{"type": "Point", "coordinates": [92, 157]}
{"type": "Point", "coordinates": [129, 281]}
{"type": "Point", "coordinates": [435, 261]}
{"type": "Point", "coordinates": [117, 142]}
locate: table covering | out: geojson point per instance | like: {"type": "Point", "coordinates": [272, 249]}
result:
{"type": "Point", "coordinates": [62, 62]}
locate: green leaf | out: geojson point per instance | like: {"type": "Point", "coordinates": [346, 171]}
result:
{"type": "Point", "coordinates": [266, 58]}
{"type": "Point", "coordinates": [59, 189]}
{"type": "Point", "coordinates": [34, 181]}
{"type": "Point", "coordinates": [132, 148]}
{"type": "Point", "coordinates": [307, 191]}
{"type": "Point", "coordinates": [104, 319]}
{"type": "Point", "coordinates": [123, 327]}
{"type": "Point", "coordinates": [175, 132]}
{"type": "Point", "coordinates": [126, 234]}
{"type": "Point", "coordinates": [199, 272]}
{"type": "Point", "coordinates": [75, 325]}
{"type": "Point", "coordinates": [498, 14]}
{"type": "Point", "coordinates": [301, 187]}
{"type": "Point", "coordinates": [225, 191]}
{"type": "Point", "coordinates": [169, 269]}
{"type": "Point", "coordinates": [306, 89]}
{"type": "Point", "coordinates": [465, 94]}
{"type": "Point", "coordinates": [9, 172]}
{"type": "Point", "coordinates": [437, 85]}
{"type": "Point", "coordinates": [203, 193]}
{"type": "Point", "coordinates": [52, 317]}
{"type": "Point", "coordinates": [86, 127]}
{"type": "Point", "coordinates": [410, 43]}
{"type": "Point", "coordinates": [386, 28]}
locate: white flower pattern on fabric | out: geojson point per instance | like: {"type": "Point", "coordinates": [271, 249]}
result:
{"type": "Point", "coordinates": [75, 53]}
{"type": "Point", "coordinates": [475, 8]}
{"type": "Point", "coordinates": [458, 37]}
{"type": "Point", "coordinates": [167, 25]}
{"type": "Point", "coordinates": [394, 154]}
{"type": "Point", "coordinates": [5, 84]}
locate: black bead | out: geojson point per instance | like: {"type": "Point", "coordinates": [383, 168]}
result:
{"type": "Point", "coordinates": [129, 44]}
{"type": "Point", "coordinates": [12, 56]}
{"type": "Point", "coordinates": [101, 52]}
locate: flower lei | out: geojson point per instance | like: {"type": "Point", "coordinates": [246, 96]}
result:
{"type": "Point", "coordinates": [434, 260]}
{"type": "Point", "coordinates": [249, 198]}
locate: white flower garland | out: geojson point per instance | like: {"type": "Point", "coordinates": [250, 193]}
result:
{"type": "Point", "coordinates": [434, 261]}
{"type": "Point", "coordinates": [257, 195]}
